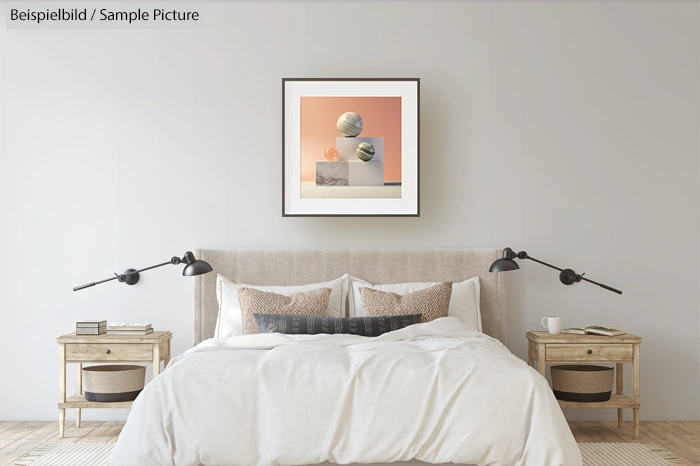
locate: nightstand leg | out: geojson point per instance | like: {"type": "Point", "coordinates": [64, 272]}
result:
{"type": "Point", "coordinates": [166, 361]}
{"type": "Point", "coordinates": [619, 375]}
{"type": "Point", "coordinates": [78, 389]}
{"type": "Point", "coordinates": [156, 359]}
{"type": "Point", "coordinates": [635, 389]}
{"type": "Point", "coordinates": [61, 421]}
{"type": "Point", "coordinates": [542, 366]}
{"type": "Point", "coordinates": [61, 387]}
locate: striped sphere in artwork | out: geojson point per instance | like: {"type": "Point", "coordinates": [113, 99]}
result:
{"type": "Point", "coordinates": [365, 151]}
{"type": "Point", "coordinates": [350, 124]}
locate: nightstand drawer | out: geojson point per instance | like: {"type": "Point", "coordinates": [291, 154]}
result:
{"type": "Point", "coordinates": [592, 353]}
{"type": "Point", "coordinates": [109, 352]}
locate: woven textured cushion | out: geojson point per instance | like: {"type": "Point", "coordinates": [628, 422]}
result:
{"type": "Point", "coordinates": [230, 322]}
{"type": "Point", "coordinates": [464, 303]}
{"type": "Point", "coordinates": [364, 326]}
{"type": "Point", "coordinates": [432, 303]}
{"type": "Point", "coordinates": [308, 303]}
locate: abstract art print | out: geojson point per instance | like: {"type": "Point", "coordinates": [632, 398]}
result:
{"type": "Point", "coordinates": [350, 147]}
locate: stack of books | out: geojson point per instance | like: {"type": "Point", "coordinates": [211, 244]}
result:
{"type": "Point", "coordinates": [608, 330]}
{"type": "Point", "coordinates": [129, 329]}
{"type": "Point", "coordinates": [91, 327]}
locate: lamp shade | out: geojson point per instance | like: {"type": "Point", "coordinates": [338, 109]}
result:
{"type": "Point", "coordinates": [503, 265]}
{"type": "Point", "coordinates": [197, 267]}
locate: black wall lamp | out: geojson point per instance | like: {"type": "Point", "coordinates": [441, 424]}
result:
{"type": "Point", "coordinates": [131, 276]}
{"type": "Point", "coordinates": [566, 276]}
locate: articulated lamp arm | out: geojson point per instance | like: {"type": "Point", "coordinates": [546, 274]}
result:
{"type": "Point", "coordinates": [131, 276]}
{"type": "Point", "coordinates": [566, 276]}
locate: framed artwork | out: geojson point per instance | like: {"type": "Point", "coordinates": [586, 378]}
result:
{"type": "Point", "coordinates": [350, 147]}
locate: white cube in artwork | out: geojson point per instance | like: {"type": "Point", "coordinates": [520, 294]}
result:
{"type": "Point", "coordinates": [349, 173]}
{"type": "Point", "coordinates": [347, 146]}
{"type": "Point", "coordinates": [365, 173]}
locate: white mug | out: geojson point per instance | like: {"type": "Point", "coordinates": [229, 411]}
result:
{"type": "Point", "coordinates": [553, 324]}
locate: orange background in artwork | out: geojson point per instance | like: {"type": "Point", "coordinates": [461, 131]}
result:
{"type": "Point", "coordinates": [381, 117]}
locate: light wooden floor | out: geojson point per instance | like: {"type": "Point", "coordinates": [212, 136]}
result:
{"type": "Point", "coordinates": [19, 438]}
{"type": "Point", "coordinates": [683, 438]}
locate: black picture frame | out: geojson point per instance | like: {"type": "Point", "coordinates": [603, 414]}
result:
{"type": "Point", "coordinates": [284, 85]}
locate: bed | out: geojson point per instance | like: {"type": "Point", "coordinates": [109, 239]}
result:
{"type": "Point", "coordinates": [436, 393]}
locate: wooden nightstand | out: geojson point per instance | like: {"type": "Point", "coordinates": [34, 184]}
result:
{"type": "Point", "coordinates": [565, 348]}
{"type": "Point", "coordinates": [80, 349]}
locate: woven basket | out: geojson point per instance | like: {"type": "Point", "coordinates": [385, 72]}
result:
{"type": "Point", "coordinates": [113, 383]}
{"type": "Point", "coordinates": [583, 383]}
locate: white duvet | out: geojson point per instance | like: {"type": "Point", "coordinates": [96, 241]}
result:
{"type": "Point", "coordinates": [436, 392]}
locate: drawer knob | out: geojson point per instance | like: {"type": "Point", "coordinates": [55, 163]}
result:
{"type": "Point", "coordinates": [590, 351]}
{"type": "Point", "coordinates": [110, 351]}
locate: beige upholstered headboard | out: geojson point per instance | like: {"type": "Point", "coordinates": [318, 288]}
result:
{"type": "Point", "coordinates": [304, 266]}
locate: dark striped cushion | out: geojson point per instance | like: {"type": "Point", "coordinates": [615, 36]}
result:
{"type": "Point", "coordinates": [310, 325]}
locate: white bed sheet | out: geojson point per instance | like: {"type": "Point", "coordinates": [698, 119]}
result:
{"type": "Point", "coordinates": [400, 463]}
{"type": "Point", "coordinates": [433, 392]}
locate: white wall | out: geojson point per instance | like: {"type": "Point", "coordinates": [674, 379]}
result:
{"type": "Point", "coordinates": [566, 129]}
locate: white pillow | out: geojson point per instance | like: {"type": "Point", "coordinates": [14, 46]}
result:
{"type": "Point", "coordinates": [464, 303]}
{"type": "Point", "coordinates": [230, 322]}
